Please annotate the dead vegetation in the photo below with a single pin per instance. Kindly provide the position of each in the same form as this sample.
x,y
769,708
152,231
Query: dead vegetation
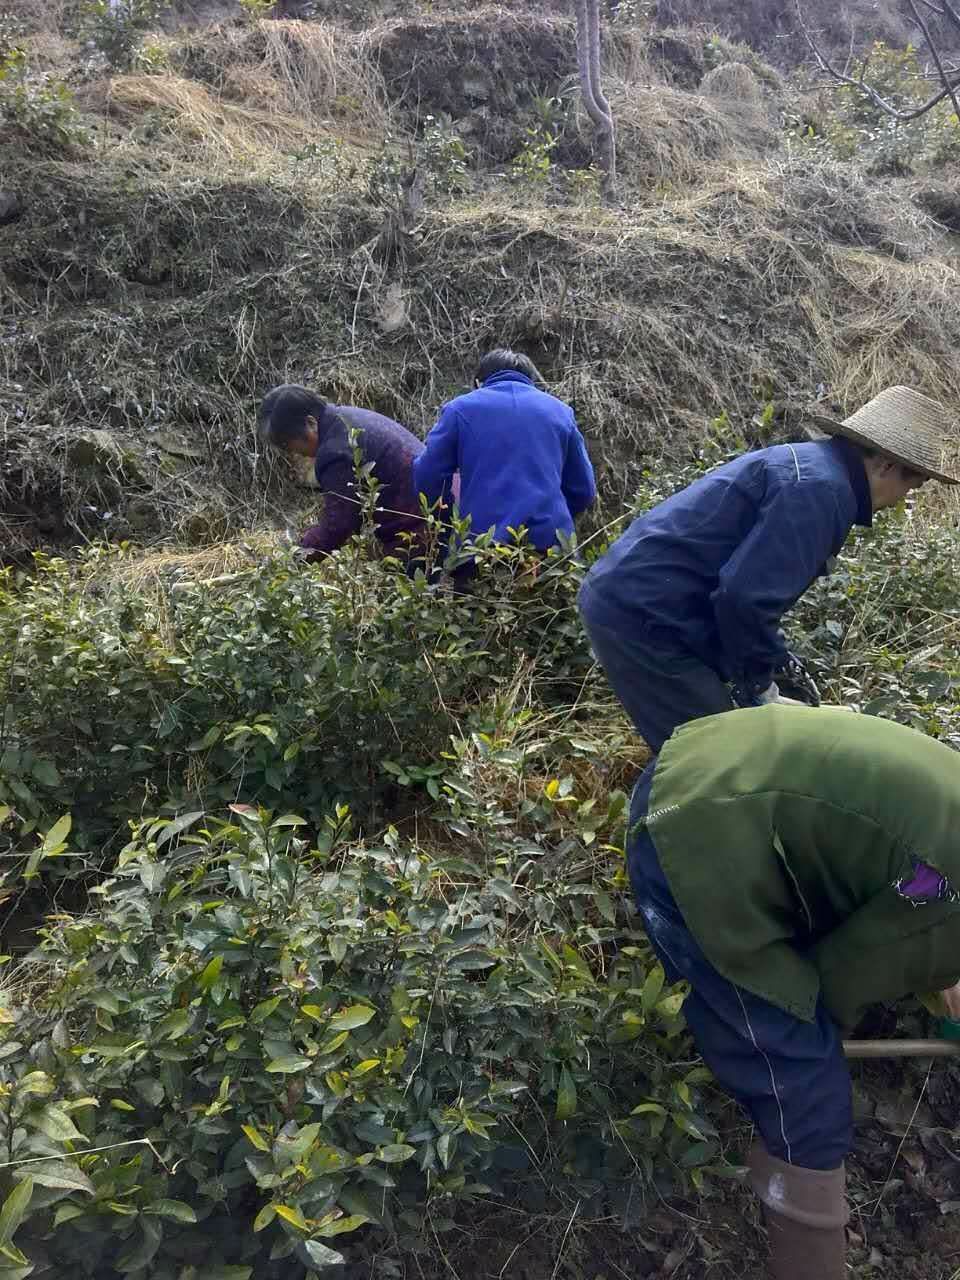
x,y
227,236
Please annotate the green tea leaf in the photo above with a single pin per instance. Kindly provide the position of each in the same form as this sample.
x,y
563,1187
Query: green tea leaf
x,y
289,1064
262,1011
341,1226
264,1217
14,1209
357,1015
47,774
292,1215
652,987
54,1123
60,1175
395,1153
256,1137
566,1095
174,1025
210,974
176,1210
321,1256
175,827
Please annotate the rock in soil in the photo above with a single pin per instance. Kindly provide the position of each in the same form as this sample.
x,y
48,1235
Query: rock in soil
x,y
10,207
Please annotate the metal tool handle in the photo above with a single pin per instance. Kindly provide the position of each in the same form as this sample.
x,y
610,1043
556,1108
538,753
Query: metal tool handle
x,y
901,1049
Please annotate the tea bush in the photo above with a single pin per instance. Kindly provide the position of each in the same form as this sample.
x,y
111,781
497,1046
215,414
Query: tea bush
x,y
286,684
252,1048
856,126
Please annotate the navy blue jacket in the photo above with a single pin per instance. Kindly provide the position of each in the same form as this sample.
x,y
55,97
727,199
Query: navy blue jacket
x,y
521,458
712,570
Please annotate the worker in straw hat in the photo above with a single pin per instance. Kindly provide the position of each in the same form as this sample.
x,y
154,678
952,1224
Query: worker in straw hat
x,y
683,611
794,866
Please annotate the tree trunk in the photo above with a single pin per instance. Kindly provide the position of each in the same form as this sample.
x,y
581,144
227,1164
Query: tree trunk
x,y
598,108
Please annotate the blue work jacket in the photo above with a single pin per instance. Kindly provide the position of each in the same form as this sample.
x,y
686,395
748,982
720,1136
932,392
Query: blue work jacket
x,y
712,570
521,458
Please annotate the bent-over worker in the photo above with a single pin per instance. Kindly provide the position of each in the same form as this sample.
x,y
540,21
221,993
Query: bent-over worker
x,y
688,601
298,421
520,454
795,866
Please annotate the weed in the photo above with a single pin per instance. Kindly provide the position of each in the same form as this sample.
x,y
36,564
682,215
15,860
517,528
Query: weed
x,y
41,109
116,27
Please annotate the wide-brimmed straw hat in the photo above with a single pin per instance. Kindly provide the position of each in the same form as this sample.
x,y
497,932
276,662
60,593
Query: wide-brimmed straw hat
x,y
903,425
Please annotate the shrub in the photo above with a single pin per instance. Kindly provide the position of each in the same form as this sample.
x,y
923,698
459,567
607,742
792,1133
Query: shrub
x,y
284,684
857,126
252,1047
116,27
40,109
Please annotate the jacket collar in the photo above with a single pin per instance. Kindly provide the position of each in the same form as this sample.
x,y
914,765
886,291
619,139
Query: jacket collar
x,y
506,375
850,456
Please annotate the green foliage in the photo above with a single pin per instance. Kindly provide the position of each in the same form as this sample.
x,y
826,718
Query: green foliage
x,y
290,1024
255,1043
118,701
257,9
532,165
41,109
116,27
584,184
882,628
439,154
441,151
856,126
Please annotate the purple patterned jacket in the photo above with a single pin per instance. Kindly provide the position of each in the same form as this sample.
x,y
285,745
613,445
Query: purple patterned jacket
x,y
392,449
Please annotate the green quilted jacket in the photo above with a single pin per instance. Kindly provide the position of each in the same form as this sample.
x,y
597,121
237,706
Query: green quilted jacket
x,y
783,832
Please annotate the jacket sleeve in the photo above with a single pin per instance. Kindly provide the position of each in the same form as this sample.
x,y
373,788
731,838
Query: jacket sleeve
x,y
796,532
886,950
433,470
341,509
577,481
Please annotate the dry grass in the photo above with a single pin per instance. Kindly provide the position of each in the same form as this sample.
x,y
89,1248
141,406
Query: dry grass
x,y
732,82
209,266
322,71
152,573
195,118
312,70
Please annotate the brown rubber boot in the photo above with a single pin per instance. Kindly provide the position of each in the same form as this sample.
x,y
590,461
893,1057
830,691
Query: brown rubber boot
x,y
806,1213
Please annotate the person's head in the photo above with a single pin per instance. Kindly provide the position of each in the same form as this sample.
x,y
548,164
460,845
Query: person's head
x,y
889,481
904,439
290,418
503,360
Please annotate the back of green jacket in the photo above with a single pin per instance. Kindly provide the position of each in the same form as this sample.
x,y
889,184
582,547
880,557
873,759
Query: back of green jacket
x,y
782,832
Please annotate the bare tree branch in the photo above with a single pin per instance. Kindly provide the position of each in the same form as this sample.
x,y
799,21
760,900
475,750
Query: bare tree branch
x,y
935,53
950,83
944,10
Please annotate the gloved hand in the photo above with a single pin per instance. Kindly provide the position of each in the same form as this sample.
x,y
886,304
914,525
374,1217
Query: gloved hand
x,y
795,682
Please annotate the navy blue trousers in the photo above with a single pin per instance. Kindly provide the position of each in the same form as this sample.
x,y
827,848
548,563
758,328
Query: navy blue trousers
x,y
790,1075
659,688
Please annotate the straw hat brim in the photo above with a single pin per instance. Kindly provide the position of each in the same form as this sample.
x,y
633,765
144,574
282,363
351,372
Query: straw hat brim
x,y
823,426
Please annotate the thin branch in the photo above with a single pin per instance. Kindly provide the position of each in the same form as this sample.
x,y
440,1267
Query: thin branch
x,y
936,58
904,117
944,10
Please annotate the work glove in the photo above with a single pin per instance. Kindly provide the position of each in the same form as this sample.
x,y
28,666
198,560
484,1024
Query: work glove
x,y
795,682
747,697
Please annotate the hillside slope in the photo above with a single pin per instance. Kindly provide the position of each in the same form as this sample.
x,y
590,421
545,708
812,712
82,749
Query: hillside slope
x,y
230,219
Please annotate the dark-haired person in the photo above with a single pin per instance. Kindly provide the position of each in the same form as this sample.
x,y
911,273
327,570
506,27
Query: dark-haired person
x,y
519,452
795,866
299,421
683,612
